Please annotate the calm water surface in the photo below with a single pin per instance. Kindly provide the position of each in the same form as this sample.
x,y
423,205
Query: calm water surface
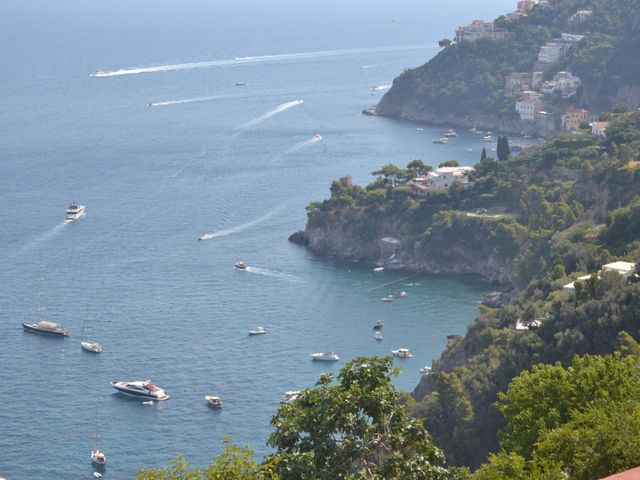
x,y
238,163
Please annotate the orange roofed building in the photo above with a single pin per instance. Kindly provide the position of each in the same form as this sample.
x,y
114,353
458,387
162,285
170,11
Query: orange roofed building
x,y
633,474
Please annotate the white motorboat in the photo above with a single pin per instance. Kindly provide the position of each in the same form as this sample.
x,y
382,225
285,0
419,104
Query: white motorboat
x,y
403,294
258,331
91,347
213,401
450,134
441,141
420,129
378,269
426,370
290,397
141,389
387,298
325,356
75,212
378,325
317,137
240,266
378,336
402,353
488,137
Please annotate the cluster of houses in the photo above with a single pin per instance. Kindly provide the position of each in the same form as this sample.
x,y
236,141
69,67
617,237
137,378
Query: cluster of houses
x,y
441,179
531,92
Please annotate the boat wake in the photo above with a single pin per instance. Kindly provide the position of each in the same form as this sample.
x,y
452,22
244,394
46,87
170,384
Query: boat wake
x,y
43,237
269,114
237,61
185,101
305,144
271,273
230,231
379,88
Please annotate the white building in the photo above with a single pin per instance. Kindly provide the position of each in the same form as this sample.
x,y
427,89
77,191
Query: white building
x,y
580,16
563,83
477,30
442,178
571,37
553,51
625,269
530,104
517,82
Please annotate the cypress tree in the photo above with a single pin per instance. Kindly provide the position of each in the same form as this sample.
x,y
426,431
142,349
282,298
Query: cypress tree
x,y
483,155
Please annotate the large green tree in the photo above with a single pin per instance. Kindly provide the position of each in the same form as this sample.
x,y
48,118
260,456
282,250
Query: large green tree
x,y
355,428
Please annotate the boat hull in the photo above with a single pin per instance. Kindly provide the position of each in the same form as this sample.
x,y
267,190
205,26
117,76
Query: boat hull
x,y
55,333
141,395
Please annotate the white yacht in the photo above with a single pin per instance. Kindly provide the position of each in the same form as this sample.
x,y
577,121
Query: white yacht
x,y
378,336
378,269
387,298
141,389
403,294
258,331
74,212
213,401
317,137
488,137
450,134
402,352
325,356
91,347
290,396
44,326
441,141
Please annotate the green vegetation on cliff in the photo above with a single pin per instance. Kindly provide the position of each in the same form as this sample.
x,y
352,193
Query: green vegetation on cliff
x,y
468,78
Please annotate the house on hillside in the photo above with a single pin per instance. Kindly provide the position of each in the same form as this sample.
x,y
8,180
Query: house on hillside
x,y
580,16
551,52
530,105
478,29
626,269
599,129
574,117
517,82
442,178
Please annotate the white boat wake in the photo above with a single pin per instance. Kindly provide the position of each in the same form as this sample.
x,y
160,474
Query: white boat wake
x,y
269,114
184,101
230,231
271,273
256,59
305,144
41,238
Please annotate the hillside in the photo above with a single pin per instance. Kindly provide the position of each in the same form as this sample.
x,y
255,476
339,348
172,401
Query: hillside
x,y
464,84
533,222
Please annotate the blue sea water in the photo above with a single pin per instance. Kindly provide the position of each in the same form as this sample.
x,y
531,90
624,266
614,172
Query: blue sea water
x,y
238,163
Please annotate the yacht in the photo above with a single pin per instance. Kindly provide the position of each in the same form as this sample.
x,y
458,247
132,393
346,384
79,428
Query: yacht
x,y
388,298
290,397
426,370
98,458
378,269
141,389
403,294
258,331
441,141
402,352
74,212
378,336
99,73
213,401
378,325
240,266
474,130
450,134
419,129
91,347
44,326
317,137
325,356
488,137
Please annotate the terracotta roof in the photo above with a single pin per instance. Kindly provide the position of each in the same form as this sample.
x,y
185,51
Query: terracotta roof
x,y
633,474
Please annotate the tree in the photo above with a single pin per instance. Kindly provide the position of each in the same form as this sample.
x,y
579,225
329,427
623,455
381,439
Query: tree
x,y
356,428
234,463
444,43
417,167
449,163
483,155
390,173
503,150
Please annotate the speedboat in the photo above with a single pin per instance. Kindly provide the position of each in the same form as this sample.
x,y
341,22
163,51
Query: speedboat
x,y
403,294
388,298
97,474
240,266
213,401
378,336
450,134
488,137
441,141
419,129
43,326
426,370
473,129
325,356
402,352
258,331
317,137
98,458
378,325
141,389
378,269
91,347
290,397
99,73
75,212
241,84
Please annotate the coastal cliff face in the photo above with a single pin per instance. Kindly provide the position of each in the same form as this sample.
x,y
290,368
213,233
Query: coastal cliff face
x,y
469,254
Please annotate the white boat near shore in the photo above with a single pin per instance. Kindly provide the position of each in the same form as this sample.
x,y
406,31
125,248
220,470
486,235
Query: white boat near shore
x,y
325,356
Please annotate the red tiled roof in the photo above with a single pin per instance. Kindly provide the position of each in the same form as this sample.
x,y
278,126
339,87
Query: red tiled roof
x,y
633,474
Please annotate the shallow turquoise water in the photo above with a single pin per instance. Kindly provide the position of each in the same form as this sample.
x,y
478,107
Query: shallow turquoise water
x,y
165,306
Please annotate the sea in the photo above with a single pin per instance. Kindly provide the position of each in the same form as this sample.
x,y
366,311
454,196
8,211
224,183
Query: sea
x,y
219,120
